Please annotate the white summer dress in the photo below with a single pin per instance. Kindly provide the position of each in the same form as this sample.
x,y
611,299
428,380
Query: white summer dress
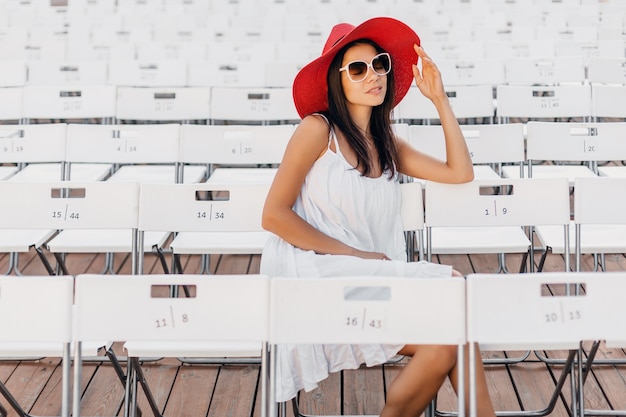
x,y
362,212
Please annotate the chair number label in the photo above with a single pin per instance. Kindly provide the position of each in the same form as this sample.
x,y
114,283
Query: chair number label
x,y
66,214
12,148
72,105
495,210
365,318
590,146
549,103
211,214
126,146
567,311
241,149
172,319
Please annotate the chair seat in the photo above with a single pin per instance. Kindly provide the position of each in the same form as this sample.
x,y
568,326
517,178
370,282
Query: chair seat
x,y
485,172
242,176
612,171
597,238
103,240
156,173
193,349
571,172
21,240
43,349
52,172
7,172
219,242
463,240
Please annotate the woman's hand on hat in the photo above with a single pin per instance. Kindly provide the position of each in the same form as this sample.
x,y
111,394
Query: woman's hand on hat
x,y
428,80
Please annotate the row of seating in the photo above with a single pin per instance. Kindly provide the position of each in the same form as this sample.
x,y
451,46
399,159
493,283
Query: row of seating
x,y
263,105
219,315
260,71
277,20
217,218
193,153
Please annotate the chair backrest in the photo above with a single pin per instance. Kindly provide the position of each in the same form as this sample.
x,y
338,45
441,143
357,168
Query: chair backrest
x,y
139,308
33,143
518,311
11,103
516,202
68,102
600,200
13,73
536,102
69,205
608,101
163,103
546,71
36,309
136,143
67,72
572,141
467,101
201,207
225,74
256,105
412,209
366,309
478,71
234,144
487,143
607,70
140,73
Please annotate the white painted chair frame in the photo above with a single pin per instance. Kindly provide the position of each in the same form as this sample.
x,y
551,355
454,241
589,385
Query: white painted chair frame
x,y
365,309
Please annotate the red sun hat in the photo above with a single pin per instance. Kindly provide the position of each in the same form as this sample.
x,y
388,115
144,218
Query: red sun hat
x,y
310,90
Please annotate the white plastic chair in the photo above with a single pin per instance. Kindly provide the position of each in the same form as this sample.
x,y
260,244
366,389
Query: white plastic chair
x,y
365,309
605,291
575,149
541,102
606,70
209,218
489,216
11,104
545,71
141,152
163,104
36,322
599,216
84,102
39,152
13,73
477,71
63,72
490,145
515,312
467,101
207,73
220,316
608,101
141,73
236,150
260,105
97,212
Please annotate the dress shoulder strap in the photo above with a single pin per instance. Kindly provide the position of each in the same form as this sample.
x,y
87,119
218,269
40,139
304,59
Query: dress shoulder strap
x,y
331,135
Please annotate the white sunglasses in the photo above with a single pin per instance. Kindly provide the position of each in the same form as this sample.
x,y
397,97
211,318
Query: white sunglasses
x,y
357,70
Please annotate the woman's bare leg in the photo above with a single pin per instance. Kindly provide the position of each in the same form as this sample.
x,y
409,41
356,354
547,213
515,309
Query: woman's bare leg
x,y
418,383
484,407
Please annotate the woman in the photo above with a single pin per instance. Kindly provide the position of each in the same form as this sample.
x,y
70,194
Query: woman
x,y
334,204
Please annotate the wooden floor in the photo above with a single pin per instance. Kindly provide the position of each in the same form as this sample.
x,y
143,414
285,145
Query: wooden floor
x,y
210,390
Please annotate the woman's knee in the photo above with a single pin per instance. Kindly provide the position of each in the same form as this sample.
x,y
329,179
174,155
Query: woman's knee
x,y
441,358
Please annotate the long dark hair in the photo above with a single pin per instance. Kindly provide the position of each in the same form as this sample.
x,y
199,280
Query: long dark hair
x,y
380,120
